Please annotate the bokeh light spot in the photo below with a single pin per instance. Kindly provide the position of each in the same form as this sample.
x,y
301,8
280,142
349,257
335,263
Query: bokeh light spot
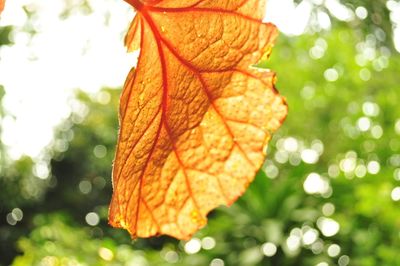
x,y
361,12
193,246
373,167
293,242
328,209
171,256
309,156
100,151
317,247
396,194
308,92
310,236
396,174
365,74
92,218
217,262
85,187
103,97
333,171
290,144
328,227
42,170
10,219
208,243
17,214
371,109
364,124
106,254
271,171
269,249
348,165
315,184
333,250
281,156
317,146
344,260
397,127
377,132
331,74
360,171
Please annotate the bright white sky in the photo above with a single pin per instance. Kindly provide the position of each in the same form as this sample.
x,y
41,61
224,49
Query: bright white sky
x,y
40,74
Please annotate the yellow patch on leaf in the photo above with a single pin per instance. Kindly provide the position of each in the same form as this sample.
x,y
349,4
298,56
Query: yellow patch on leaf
x,y
195,116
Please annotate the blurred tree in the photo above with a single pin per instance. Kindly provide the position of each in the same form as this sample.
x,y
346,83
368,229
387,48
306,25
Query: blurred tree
x,y
19,187
364,17
328,193
324,195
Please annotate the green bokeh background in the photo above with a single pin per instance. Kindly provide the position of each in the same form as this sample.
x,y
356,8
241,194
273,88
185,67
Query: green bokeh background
x,y
328,194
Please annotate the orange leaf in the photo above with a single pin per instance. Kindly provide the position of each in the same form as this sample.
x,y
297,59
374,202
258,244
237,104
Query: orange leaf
x,y
2,3
195,117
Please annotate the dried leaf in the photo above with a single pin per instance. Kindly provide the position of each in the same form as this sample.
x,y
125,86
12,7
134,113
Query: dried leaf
x,y
195,116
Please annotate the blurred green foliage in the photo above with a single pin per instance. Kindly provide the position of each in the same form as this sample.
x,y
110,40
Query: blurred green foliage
x,y
375,16
328,194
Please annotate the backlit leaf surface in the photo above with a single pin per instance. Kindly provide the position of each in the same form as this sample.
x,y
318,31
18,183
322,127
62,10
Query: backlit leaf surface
x,y
2,3
195,116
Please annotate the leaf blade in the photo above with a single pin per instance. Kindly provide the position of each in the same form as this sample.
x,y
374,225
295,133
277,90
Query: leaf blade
x,y
189,139
2,4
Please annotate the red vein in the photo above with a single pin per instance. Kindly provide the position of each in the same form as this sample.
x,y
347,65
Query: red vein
x,y
198,3
218,181
116,178
201,10
138,5
189,168
165,102
234,120
207,92
129,95
141,177
137,142
151,213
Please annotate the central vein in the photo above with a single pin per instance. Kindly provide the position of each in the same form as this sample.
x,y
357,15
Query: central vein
x,y
136,4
